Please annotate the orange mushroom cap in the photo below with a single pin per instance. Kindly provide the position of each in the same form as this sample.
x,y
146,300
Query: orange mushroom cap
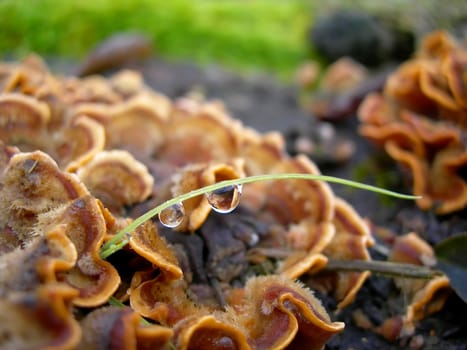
x,y
146,242
84,225
421,120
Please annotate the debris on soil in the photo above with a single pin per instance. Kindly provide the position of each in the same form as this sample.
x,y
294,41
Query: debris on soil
x,y
116,51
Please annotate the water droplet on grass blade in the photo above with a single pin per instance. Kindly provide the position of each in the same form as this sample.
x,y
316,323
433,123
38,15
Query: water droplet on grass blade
x,y
225,199
172,216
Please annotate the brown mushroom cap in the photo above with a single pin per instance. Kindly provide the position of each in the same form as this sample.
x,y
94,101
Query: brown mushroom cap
x,y
299,263
81,141
84,225
196,176
121,328
39,320
203,135
280,313
160,299
33,73
274,313
22,119
425,296
9,77
32,184
209,332
135,124
350,241
116,178
294,200
146,242
127,83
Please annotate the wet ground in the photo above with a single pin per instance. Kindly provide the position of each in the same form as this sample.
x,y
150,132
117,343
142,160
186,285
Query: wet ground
x,y
266,104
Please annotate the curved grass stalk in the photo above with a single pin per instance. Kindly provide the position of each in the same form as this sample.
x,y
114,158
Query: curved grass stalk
x,y
118,241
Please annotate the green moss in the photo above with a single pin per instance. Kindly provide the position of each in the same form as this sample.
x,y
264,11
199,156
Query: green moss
x,y
258,34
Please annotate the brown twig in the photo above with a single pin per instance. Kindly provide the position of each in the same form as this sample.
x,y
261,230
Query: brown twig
x,y
386,268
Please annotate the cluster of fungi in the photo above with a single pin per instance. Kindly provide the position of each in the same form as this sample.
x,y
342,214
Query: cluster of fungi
x,y
421,120
81,158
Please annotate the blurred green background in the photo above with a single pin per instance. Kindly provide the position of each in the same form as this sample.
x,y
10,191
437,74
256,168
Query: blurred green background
x,y
266,35
239,34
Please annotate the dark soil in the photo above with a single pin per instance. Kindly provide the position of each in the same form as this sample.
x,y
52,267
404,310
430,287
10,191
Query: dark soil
x,y
266,104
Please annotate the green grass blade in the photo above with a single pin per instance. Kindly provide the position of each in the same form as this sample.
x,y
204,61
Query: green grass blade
x,y
118,241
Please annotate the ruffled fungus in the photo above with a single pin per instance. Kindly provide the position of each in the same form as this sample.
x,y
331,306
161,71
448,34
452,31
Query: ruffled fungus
x,y
162,300
42,200
112,328
351,242
146,242
201,133
135,125
295,200
116,178
196,176
420,120
28,76
39,320
279,313
94,278
426,297
21,118
209,332
32,184
274,313
88,138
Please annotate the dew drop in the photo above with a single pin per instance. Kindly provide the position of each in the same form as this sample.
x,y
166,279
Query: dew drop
x,y
225,199
172,216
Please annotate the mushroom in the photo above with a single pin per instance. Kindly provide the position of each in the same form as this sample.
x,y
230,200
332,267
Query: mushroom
x,y
196,176
84,225
350,241
22,119
127,83
112,328
279,313
117,179
160,299
80,142
9,77
203,134
32,184
145,241
209,332
41,319
33,73
425,296
294,200
135,124
420,121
